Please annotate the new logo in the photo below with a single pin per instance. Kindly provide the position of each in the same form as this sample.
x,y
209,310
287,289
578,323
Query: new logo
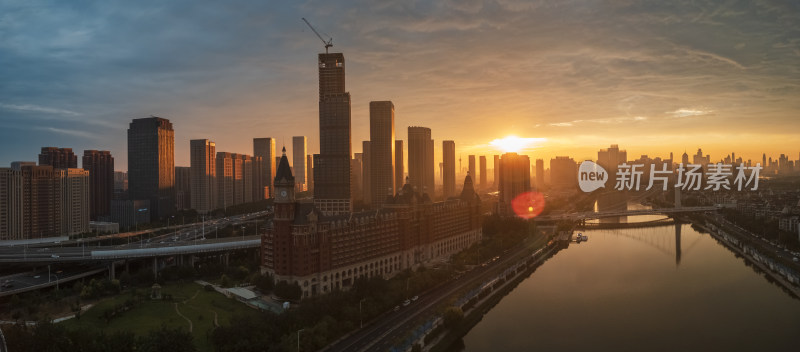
x,y
591,176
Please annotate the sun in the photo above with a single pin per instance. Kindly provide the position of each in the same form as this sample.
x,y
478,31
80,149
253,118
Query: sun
x,y
514,144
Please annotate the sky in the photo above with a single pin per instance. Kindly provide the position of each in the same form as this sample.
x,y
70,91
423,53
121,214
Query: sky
x,y
574,76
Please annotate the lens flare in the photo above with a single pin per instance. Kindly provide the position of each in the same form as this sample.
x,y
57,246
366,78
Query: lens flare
x,y
528,205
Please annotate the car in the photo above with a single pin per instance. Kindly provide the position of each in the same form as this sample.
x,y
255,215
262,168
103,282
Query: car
x,y
396,308
406,302
795,259
414,298
54,256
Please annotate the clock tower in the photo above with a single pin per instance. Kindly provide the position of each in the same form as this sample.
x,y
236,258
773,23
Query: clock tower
x,y
284,190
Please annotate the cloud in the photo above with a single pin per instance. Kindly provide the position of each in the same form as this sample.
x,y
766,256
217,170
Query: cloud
x,y
36,108
688,112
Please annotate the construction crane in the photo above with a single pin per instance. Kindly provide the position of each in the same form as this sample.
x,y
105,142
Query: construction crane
x,y
328,43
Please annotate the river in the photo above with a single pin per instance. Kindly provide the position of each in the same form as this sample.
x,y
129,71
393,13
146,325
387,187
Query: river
x,y
630,290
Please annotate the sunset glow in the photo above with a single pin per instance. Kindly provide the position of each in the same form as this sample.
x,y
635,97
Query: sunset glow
x,y
514,144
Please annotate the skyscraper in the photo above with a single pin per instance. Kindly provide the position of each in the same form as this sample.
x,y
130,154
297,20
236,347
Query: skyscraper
x,y
11,219
100,165
472,171
496,166
539,175
265,148
420,159
299,149
448,169
366,178
332,172
515,179
225,174
382,163
482,168
310,173
564,174
183,186
73,208
203,172
58,158
399,169
358,183
151,164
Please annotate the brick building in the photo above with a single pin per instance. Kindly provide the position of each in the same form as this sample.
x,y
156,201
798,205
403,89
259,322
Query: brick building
x,y
324,253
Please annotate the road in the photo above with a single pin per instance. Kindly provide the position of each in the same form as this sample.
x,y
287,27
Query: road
x,y
78,250
21,282
383,333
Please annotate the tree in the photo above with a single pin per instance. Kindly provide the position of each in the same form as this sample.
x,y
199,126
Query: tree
x,y
452,316
288,291
167,340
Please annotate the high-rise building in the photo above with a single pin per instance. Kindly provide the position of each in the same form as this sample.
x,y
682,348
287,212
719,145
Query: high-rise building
x,y
332,174
183,188
610,159
299,151
58,158
11,219
40,202
539,174
100,165
258,189
203,175
382,162
310,173
74,200
448,169
225,174
355,165
563,174
17,165
496,166
366,173
151,164
420,160
399,169
515,179
265,148
482,168
472,172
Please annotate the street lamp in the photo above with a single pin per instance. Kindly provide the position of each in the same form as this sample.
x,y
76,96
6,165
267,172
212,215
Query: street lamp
x,y
298,339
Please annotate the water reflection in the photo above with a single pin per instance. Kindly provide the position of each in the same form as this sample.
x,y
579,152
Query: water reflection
x,y
624,290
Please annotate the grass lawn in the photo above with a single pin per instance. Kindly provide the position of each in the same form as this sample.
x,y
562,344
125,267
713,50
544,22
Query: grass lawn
x,y
194,303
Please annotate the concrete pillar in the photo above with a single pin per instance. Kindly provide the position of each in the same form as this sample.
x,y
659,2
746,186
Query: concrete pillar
x,y
155,267
127,267
111,273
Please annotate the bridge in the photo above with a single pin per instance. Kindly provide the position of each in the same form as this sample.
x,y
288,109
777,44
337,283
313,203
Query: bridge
x,y
605,214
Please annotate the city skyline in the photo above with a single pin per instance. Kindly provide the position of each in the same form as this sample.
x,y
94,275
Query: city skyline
x,y
654,97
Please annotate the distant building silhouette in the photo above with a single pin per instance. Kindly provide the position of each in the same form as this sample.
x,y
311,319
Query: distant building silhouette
x,y
563,174
203,175
265,148
482,168
183,186
151,164
539,174
366,172
100,165
58,158
382,153
420,160
515,179
299,151
399,165
448,169
472,167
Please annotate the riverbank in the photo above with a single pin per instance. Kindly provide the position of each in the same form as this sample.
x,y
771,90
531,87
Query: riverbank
x,y
785,277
